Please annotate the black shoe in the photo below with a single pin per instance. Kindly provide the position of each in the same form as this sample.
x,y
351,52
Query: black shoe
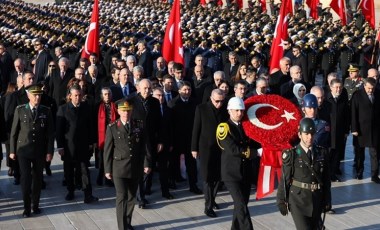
x,y
43,185
99,181
195,190
215,206
69,196
37,211
375,179
90,199
78,187
143,203
129,227
359,176
338,172
26,213
210,213
48,171
335,179
16,181
109,183
168,196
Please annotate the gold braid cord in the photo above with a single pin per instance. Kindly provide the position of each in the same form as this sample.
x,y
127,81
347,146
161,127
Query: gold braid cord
x,y
221,133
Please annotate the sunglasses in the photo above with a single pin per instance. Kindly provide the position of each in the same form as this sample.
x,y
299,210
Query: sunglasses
x,y
53,66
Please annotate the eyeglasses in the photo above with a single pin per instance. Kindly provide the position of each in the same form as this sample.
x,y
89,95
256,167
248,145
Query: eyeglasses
x,y
217,101
52,66
37,44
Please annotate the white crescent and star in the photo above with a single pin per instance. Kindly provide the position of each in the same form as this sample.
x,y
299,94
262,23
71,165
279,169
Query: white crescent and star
x,y
92,27
255,120
365,4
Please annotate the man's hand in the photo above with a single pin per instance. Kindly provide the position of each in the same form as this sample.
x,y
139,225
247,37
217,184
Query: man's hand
x,y
147,170
49,157
195,154
61,152
283,208
160,147
108,176
12,156
355,134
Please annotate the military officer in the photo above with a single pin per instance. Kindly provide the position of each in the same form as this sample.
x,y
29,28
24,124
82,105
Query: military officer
x,y
32,142
347,55
126,158
305,187
236,162
354,81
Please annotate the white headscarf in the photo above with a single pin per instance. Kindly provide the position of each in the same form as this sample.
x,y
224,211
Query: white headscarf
x,y
296,88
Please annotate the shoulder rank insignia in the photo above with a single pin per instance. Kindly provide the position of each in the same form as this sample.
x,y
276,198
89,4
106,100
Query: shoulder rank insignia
x,y
222,131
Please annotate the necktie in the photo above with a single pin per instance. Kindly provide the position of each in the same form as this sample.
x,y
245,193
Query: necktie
x,y
127,127
168,96
34,113
162,110
370,98
62,75
335,99
125,91
309,155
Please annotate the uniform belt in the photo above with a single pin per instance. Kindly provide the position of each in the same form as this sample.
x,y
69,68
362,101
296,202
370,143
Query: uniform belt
x,y
313,186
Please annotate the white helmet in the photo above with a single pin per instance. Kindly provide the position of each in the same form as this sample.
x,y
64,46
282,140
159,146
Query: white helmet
x,y
236,103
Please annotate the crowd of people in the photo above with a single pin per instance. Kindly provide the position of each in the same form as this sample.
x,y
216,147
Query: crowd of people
x,y
165,110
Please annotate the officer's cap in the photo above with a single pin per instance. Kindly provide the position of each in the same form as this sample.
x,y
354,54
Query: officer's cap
x,y
353,68
236,103
35,89
124,105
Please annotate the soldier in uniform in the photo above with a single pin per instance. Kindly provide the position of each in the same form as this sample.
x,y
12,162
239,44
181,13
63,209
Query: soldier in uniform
x,y
354,81
347,56
329,58
126,158
305,187
236,162
32,141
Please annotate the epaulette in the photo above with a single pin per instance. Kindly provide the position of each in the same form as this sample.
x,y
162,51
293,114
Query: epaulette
x,y
112,123
221,132
20,106
287,155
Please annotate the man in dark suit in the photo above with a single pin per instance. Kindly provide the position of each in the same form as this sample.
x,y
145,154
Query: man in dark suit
x,y
161,68
32,141
164,156
183,107
59,80
144,58
256,63
147,109
94,82
41,61
339,123
286,89
329,59
278,78
300,60
19,70
6,66
126,158
75,137
123,88
230,69
236,162
168,84
365,113
207,117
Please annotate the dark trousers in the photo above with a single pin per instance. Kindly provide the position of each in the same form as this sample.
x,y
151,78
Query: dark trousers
x,y
191,168
311,73
69,168
360,156
14,164
141,188
125,197
240,195
31,180
305,222
210,189
163,170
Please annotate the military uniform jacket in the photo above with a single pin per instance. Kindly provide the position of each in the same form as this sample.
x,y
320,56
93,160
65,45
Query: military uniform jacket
x,y
32,138
125,151
297,167
235,166
352,86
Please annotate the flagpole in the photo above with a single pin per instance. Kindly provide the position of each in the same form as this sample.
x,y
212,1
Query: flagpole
x,y
374,46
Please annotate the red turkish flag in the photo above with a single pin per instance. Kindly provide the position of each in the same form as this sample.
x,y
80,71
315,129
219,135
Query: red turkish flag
x,y
368,10
92,40
378,35
263,5
280,35
339,6
272,121
172,48
312,4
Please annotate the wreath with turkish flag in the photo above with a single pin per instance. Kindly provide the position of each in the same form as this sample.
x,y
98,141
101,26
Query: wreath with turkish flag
x,y
272,121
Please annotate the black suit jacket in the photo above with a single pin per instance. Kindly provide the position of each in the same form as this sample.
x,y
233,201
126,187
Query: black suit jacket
x,y
58,86
206,120
276,80
146,61
117,91
75,131
41,66
183,118
230,72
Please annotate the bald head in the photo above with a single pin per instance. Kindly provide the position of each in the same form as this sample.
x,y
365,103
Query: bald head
x,y
318,92
373,73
